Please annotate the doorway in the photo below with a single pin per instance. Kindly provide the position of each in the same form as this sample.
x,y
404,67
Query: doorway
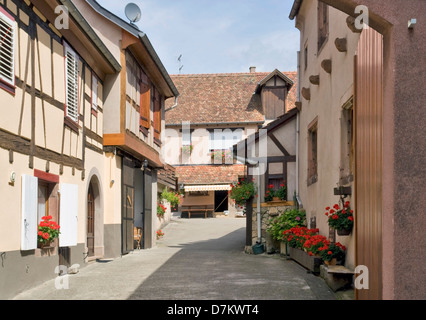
x,y
221,201
91,221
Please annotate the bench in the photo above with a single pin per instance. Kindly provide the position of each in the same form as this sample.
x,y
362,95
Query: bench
x,y
337,277
197,209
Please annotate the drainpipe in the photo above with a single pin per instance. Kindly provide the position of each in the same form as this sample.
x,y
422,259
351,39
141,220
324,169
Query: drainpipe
x,y
298,201
259,216
173,106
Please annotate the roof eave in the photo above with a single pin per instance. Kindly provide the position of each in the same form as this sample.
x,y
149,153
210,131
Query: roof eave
x,y
134,30
295,9
73,11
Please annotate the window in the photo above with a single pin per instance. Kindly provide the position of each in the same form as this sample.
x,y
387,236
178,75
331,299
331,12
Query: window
x,y
145,107
71,84
7,51
322,24
313,153
94,93
305,56
221,144
157,115
347,143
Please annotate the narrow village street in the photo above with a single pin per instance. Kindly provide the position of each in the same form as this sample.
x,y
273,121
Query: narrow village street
x,y
197,259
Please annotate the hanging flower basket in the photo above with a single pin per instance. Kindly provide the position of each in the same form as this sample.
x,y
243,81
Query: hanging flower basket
x,y
341,219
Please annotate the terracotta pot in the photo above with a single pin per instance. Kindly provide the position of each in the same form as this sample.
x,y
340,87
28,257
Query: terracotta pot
x,y
276,199
44,245
332,262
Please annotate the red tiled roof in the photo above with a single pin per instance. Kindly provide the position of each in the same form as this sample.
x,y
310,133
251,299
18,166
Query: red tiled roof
x,y
221,98
209,174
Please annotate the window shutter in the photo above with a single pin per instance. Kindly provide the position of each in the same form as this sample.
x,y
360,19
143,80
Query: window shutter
x,y
29,213
7,49
157,115
68,215
145,106
94,93
71,84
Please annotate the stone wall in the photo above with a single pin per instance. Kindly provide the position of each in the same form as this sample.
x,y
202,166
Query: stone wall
x,y
268,210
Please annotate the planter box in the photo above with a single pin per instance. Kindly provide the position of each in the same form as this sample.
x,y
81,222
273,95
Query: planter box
x,y
311,263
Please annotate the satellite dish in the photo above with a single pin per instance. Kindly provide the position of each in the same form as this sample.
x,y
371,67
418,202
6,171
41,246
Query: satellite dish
x,y
133,12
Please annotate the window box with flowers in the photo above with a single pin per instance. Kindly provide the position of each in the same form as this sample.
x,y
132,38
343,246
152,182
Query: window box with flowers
x,y
341,219
47,232
310,249
273,194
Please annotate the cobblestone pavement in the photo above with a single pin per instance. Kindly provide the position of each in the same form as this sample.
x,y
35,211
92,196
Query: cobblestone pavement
x,y
197,259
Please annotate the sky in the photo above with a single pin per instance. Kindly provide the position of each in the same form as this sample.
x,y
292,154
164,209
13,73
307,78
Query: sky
x,y
218,36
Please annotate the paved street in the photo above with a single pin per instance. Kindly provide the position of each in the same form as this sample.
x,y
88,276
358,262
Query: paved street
x,y
198,259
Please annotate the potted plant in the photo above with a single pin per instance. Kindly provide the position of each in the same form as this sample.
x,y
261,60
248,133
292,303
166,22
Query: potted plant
x,y
160,234
161,209
242,192
47,231
340,219
333,253
314,244
290,218
281,193
270,193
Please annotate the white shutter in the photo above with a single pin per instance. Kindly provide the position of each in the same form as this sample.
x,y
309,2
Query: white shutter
x,y
71,83
7,49
94,93
68,215
29,213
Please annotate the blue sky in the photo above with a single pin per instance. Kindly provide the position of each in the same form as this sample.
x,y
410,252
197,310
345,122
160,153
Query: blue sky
x,y
218,36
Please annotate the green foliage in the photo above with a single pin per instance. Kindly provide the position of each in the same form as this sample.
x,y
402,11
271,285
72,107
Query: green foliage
x,y
288,219
242,192
173,198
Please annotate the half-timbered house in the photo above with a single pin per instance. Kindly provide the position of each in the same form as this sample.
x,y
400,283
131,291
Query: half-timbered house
x,y
213,113
133,130
54,70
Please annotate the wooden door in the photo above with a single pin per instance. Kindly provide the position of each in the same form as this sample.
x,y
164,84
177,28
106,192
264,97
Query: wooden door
x,y
91,222
369,160
127,220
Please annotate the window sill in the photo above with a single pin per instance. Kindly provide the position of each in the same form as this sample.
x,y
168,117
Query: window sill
x,y
71,124
312,180
7,87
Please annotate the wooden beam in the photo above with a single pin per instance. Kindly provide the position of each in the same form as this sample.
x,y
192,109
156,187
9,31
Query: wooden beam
x,y
278,144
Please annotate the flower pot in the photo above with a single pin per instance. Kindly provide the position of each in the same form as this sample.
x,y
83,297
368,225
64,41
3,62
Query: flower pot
x,y
343,232
276,199
332,262
47,244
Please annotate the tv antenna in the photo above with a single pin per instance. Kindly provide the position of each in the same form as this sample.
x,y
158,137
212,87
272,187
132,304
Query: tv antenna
x,y
180,64
133,13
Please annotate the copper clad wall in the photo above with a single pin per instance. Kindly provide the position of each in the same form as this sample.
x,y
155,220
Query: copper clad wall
x,y
369,159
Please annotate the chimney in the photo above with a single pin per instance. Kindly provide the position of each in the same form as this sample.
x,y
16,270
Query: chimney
x,y
252,69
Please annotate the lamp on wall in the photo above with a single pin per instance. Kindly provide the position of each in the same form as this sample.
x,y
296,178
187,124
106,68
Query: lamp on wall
x,y
145,164
412,23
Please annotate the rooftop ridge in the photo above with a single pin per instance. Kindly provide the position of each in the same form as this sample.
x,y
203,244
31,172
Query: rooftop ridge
x,y
228,74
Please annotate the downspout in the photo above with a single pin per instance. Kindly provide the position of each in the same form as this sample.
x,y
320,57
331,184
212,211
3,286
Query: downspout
x,y
173,106
298,200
